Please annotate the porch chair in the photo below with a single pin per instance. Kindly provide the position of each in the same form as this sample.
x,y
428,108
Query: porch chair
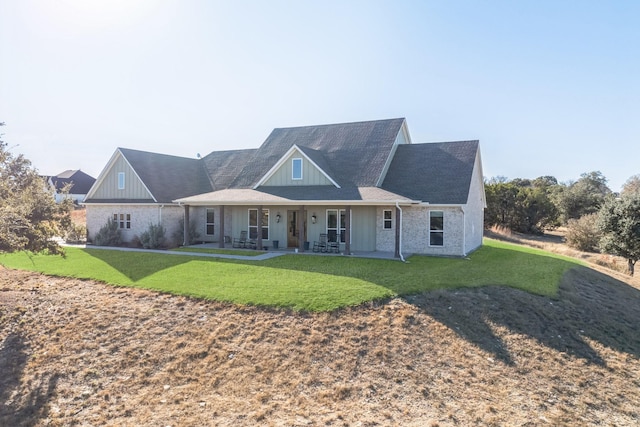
x,y
242,241
333,245
320,246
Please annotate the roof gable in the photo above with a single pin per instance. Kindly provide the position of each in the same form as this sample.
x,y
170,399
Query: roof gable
x,y
437,173
312,157
357,152
164,177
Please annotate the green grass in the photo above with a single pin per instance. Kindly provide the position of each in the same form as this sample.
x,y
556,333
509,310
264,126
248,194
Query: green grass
x,y
220,251
311,283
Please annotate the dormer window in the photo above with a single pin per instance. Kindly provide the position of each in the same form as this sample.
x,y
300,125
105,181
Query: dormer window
x,y
296,168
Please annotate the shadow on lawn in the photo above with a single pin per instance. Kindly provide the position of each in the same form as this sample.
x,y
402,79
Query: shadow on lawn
x,y
136,265
589,305
21,407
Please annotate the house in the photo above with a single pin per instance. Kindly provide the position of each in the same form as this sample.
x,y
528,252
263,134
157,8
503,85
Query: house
x,y
365,185
79,185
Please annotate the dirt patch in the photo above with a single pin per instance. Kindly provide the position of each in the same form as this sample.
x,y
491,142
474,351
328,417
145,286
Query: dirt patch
x,y
83,353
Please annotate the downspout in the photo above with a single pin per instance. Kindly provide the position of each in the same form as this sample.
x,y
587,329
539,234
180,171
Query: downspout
x,y
160,214
400,252
464,232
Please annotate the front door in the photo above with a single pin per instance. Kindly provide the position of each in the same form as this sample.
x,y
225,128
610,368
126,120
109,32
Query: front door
x,y
292,228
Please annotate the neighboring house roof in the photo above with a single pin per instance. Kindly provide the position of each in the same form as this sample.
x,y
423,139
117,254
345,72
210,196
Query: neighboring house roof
x,y
357,152
80,181
437,173
168,177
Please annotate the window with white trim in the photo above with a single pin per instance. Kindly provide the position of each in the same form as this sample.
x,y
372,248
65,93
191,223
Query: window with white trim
x,y
123,220
335,228
253,224
387,217
296,169
436,228
120,180
210,222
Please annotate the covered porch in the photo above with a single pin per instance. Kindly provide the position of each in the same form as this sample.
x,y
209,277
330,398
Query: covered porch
x,y
367,220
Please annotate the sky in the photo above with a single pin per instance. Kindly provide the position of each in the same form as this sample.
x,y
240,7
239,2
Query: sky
x,y
548,87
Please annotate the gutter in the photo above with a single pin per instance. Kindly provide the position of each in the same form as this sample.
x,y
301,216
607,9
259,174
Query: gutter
x,y
400,251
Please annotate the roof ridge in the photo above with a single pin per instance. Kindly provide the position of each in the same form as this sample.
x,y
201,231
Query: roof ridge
x,y
341,124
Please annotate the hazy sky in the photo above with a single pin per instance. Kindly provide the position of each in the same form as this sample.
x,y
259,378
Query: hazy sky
x,y
548,87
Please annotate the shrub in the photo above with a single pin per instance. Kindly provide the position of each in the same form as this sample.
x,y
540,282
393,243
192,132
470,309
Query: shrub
x,y
153,237
583,233
76,233
108,235
179,234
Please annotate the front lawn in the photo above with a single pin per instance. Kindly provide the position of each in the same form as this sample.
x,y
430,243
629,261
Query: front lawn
x,y
299,282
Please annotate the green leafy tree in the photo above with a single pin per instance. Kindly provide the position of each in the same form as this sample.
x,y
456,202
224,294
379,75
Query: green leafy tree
x,y
521,204
619,221
535,211
29,216
583,197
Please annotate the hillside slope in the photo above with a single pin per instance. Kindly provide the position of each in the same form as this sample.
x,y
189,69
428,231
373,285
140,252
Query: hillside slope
x,y
83,353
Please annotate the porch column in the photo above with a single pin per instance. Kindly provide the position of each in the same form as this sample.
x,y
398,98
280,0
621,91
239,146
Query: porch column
x,y
301,229
397,251
347,230
221,243
185,240
259,243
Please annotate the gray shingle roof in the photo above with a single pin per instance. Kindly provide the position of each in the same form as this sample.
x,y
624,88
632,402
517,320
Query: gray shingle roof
x,y
168,177
438,173
224,166
81,182
357,152
353,154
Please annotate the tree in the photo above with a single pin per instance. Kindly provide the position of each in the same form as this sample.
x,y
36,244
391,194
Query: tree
x,y
584,196
619,221
520,205
29,216
631,186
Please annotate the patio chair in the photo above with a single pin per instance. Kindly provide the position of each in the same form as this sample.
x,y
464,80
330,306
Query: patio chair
x,y
321,245
333,246
242,241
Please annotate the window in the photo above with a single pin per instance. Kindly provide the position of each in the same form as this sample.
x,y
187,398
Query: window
x,y
253,224
120,180
209,223
436,228
334,227
123,220
296,169
386,219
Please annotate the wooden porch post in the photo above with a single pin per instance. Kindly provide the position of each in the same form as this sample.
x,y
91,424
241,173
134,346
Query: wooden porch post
x,y
301,229
347,230
221,243
259,243
185,240
397,251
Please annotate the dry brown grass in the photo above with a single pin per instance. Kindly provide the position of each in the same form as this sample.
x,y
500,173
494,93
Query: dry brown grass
x,y
553,241
79,216
82,353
